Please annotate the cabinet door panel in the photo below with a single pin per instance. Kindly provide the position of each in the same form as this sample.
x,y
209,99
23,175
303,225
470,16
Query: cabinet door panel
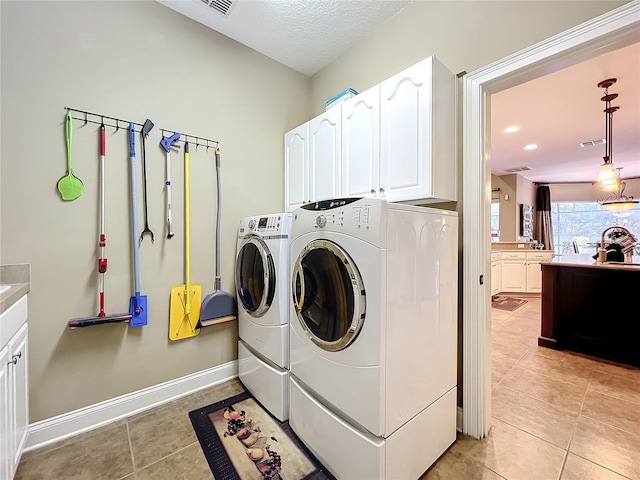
x,y
534,277
19,385
514,276
6,455
405,133
324,155
361,144
296,159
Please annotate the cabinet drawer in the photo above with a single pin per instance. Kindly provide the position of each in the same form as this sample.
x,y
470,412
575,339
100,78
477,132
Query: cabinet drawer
x,y
540,256
12,319
509,255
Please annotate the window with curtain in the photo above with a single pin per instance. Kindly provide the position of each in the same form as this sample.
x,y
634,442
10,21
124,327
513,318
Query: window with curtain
x,y
583,223
495,220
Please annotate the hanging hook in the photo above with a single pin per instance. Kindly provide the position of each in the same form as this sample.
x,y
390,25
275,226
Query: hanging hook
x,y
85,119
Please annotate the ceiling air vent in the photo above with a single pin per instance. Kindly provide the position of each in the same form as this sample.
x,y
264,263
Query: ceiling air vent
x,y
518,169
220,6
591,143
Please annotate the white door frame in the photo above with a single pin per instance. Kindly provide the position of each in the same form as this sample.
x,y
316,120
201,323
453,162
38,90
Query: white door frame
x,y
608,32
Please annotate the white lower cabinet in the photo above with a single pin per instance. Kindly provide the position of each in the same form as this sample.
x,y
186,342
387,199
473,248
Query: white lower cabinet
x,y
496,276
520,272
14,413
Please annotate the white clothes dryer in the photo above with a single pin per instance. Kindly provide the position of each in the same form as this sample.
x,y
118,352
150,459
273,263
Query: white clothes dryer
x,y
263,291
374,335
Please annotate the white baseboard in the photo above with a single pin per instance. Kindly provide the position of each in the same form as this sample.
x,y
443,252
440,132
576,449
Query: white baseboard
x,y
459,420
84,419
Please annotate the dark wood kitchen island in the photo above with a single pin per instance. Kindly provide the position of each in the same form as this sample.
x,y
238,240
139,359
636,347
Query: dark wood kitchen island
x,y
591,308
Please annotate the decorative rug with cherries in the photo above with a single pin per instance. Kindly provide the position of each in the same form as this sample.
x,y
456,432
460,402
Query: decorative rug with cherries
x,y
242,441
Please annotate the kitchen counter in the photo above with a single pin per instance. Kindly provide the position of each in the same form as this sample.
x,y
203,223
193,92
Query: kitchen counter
x,y
18,280
586,260
591,308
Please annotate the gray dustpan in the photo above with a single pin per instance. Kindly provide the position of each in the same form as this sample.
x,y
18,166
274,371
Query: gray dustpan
x,y
218,306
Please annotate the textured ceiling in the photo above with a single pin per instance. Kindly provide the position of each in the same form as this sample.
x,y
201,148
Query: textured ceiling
x,y
305,35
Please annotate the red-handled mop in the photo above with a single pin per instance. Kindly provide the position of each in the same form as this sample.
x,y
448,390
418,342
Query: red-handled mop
x,y
102,261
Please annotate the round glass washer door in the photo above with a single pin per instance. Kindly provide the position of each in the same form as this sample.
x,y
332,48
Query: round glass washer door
x,y
328,294
255,277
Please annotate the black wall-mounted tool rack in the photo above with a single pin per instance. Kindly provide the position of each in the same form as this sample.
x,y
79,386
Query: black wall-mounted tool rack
x,y
99,119
191,139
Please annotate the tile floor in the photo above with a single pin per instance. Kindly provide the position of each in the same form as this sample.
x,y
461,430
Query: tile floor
x,y
556,415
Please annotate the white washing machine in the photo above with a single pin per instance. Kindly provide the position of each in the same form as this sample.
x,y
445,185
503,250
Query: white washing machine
x,y
263,289
374,335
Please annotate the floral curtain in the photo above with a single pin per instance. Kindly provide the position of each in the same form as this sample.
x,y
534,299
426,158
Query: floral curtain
x,y
543,229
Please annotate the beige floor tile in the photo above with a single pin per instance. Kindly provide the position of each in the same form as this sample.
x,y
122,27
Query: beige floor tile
x,y
556,392
612,411
498,316
188,463
454,465
219,392
160,433
622,383
559,368
513,339
103,456
545,421
607,446
507,353
512,453
499,370
76,438
576,468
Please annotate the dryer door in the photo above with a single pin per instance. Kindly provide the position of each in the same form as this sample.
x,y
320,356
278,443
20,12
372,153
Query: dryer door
x,y
328,294
255,276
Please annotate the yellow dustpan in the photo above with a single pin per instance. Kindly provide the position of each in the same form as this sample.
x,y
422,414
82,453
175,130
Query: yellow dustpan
x,y
184,309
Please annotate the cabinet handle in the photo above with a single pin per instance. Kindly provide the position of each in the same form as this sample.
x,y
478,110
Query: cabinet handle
x,y
373,191
14,359
381,191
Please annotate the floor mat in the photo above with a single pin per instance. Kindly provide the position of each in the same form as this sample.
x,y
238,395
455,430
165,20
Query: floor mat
x,y
507,303
243,441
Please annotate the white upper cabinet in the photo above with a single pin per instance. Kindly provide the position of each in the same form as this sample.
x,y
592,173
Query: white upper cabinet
x,y
296,164
361,144
396,140
324,156
417,134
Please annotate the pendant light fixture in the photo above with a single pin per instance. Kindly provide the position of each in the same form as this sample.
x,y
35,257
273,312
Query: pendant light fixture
x,y
607,178
618,202
610,181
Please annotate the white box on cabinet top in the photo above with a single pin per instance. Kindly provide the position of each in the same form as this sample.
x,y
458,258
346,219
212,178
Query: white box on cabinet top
x,y
396,140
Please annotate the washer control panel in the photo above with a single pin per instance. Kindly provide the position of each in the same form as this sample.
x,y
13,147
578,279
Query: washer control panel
x,y
265,225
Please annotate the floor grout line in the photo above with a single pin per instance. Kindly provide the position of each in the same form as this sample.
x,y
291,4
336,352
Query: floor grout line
x,y
133,460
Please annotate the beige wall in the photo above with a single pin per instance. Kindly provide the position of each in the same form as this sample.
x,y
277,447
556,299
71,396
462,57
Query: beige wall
x,y
136,60
132,60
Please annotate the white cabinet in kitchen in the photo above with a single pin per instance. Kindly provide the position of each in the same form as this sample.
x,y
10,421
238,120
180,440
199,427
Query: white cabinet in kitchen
x,y
496,273
361,144
14,416
417,134
534,271
514,272
312,160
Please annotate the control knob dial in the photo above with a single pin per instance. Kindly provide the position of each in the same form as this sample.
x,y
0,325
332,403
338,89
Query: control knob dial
x,y
321,221
252,224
